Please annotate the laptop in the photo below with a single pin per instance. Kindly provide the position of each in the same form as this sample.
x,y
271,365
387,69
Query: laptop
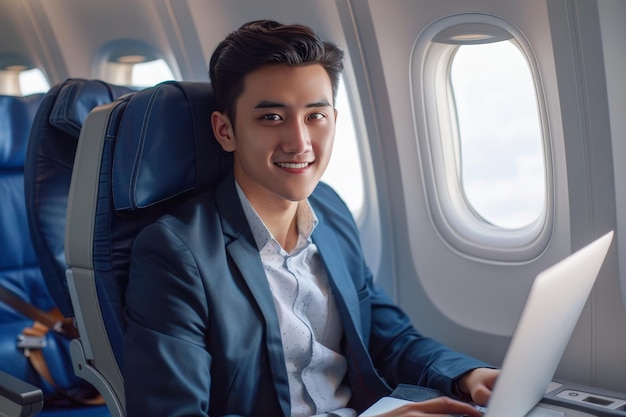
x,y
554,304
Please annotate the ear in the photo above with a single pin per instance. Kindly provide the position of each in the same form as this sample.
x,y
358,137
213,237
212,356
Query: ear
x,y
223,131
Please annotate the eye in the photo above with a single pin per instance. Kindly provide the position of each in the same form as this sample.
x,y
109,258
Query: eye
x,y
271,117
317,116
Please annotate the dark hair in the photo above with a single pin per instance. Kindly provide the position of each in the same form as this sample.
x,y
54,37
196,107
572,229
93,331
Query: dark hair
x,y
265,42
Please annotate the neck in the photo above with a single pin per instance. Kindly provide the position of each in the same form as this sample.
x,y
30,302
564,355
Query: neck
x,y
278,215
281,222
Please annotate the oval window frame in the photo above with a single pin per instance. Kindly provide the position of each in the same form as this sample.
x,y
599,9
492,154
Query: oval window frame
x,y
115,61
437,137
12,70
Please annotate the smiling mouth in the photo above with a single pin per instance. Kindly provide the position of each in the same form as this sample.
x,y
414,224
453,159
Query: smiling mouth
x,y
293,165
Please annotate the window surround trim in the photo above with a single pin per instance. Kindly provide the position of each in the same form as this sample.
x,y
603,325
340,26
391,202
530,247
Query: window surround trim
x,y
452,217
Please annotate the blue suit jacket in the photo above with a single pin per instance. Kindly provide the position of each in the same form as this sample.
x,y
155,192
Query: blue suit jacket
x,y
203,336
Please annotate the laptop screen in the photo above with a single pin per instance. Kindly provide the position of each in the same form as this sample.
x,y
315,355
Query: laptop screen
x,y
554,304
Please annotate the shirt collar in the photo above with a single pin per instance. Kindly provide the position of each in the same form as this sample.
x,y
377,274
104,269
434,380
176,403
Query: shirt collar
x,y
306,221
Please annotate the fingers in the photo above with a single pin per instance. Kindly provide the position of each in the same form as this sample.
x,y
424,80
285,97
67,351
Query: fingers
x,y
479,383
481,395
437,407
447,406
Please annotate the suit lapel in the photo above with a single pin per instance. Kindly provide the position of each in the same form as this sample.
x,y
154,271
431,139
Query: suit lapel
x,y
367,386
338,274
242,248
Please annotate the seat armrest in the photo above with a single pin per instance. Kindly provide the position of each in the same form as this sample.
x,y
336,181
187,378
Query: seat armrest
x,y
18,398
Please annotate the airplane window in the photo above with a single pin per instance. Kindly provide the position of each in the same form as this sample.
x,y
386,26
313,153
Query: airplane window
x,y
145,74
132,71
344,172
32,81
131,63
483,139
501,163
20,80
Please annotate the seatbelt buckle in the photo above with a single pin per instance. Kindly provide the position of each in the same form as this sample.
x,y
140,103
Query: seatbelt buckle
x,y
31,342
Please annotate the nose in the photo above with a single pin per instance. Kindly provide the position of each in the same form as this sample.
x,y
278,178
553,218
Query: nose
x,y
297,138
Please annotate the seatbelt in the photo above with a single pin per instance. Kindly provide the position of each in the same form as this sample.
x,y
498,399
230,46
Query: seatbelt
x,y
32,339
58,324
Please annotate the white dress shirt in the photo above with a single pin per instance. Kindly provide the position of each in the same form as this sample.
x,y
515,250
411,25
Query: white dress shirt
x,y
310,324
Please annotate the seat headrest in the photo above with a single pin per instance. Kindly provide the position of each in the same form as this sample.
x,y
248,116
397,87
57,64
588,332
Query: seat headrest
x,y
76,98
48,170
16,118
165,146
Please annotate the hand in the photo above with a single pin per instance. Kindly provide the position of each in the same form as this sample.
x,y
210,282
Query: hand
x,y
479,383
437,407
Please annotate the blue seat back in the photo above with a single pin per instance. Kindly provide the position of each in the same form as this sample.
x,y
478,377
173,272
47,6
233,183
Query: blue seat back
x,y
19,271
165,152
137,158
18,264
48,170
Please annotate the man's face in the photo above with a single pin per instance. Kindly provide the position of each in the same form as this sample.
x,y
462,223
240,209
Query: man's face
x,y
284,133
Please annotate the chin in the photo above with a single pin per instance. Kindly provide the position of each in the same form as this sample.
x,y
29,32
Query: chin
x,y
299,195
299,191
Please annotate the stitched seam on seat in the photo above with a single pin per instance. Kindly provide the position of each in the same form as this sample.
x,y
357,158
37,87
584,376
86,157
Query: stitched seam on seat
x,y
140,149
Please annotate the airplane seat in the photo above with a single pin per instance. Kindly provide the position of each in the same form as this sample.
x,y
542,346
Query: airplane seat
x,y
48,170
137,157
19,271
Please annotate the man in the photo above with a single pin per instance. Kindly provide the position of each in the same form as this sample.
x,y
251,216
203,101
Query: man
x,y
254,299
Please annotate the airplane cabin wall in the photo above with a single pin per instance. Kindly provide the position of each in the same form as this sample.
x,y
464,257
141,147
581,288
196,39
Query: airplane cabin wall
x,y
612,15
583,89
473,304
469,303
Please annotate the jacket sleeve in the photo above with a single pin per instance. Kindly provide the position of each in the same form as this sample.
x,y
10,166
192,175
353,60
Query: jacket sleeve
x,y
166,366
403,355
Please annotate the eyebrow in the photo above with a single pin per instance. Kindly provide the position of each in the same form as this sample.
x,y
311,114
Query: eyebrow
x,y
266,104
